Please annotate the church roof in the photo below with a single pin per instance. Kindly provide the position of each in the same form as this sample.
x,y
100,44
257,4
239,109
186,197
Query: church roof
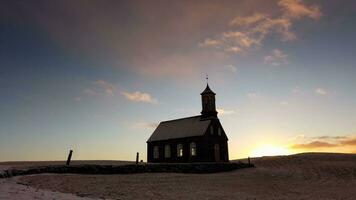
x,y
207,90
180,128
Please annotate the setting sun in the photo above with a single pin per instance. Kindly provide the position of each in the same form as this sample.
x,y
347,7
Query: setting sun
x,y
269,150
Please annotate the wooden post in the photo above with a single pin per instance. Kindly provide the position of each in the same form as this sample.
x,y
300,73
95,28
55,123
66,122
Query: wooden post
x,y
249,161
137,156
69,157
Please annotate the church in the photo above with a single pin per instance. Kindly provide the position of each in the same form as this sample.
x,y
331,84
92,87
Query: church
x,y
198,138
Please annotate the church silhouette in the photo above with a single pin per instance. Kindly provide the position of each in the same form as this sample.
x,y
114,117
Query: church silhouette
x,y
193,139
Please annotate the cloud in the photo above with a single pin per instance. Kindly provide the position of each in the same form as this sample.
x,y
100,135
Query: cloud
x,y
108,88
321,91
209,42
243,21
313,145
139,97
276,58
102,87
155,41
298,137
284,103
350,141
251,31
77,99
297,90
253,95
231,68
222,111
239,39
327,142
144,125
295,9
326,137
89,91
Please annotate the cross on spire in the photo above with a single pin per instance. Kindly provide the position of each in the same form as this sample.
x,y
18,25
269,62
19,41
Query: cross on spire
x,y
207,79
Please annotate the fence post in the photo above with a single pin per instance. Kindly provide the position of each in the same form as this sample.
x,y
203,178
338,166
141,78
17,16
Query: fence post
x,y
137,156
69,157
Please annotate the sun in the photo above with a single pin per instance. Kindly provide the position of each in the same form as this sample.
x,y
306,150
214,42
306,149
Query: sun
x,y
269,150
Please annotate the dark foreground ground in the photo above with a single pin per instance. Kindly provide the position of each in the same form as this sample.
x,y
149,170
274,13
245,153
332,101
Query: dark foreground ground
x,y
302,176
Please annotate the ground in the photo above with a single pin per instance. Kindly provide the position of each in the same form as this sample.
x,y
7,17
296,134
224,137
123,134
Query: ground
x,y
302,176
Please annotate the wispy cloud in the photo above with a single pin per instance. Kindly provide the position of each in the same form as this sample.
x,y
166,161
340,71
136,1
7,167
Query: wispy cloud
x,y
350,141
276,58
298,137
327,137
253,95
231,68
322,142
89,91
297,90
222,111
108,88
313,145
296,9
284,103
144,125
248,20
140,97
102,87
251,31
209,43
321,91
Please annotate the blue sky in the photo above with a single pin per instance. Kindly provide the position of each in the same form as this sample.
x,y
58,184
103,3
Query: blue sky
x,y
98,76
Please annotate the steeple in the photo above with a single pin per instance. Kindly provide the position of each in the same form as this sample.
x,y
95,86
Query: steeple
x,y
207,90
208,103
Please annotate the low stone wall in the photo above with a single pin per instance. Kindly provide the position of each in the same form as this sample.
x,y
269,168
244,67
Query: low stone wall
x,y
128,169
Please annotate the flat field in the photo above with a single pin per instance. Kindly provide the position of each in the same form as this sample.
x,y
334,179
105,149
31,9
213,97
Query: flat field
x,y
302,176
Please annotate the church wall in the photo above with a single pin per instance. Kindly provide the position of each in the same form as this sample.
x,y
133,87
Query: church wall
x,y
204,148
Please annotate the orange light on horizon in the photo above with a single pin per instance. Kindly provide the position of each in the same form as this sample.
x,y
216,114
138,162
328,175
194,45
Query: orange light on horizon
x,y
269,150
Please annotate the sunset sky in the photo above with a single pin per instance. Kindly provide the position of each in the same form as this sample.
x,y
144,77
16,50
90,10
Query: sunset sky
x,y
98,76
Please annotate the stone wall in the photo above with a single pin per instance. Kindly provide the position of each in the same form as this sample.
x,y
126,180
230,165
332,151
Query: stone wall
x,y
128,169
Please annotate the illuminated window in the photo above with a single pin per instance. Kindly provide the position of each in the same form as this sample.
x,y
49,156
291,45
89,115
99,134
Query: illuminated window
x,y
179,150
155,152
167,151
193,149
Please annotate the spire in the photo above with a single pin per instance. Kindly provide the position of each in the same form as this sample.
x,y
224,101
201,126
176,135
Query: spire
x,y
207,90
208,102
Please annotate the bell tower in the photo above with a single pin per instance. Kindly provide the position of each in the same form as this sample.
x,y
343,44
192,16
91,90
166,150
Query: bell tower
x,y
208,103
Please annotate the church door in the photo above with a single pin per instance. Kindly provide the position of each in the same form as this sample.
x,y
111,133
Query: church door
x,y
217,152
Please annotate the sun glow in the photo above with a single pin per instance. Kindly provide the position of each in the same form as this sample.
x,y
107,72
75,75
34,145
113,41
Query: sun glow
x,y
269,150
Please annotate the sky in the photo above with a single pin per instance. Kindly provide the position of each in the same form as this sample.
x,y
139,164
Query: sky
x,y
98,76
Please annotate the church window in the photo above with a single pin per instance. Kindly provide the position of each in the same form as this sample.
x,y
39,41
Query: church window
x,y
211,130
155,152
219,131
193,149
167,151
179,150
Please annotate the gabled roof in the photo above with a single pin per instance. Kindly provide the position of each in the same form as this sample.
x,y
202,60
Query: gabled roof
x,y
180,128
207,90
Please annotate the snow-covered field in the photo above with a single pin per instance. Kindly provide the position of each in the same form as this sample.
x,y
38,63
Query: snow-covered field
x,y
304,176
12,190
